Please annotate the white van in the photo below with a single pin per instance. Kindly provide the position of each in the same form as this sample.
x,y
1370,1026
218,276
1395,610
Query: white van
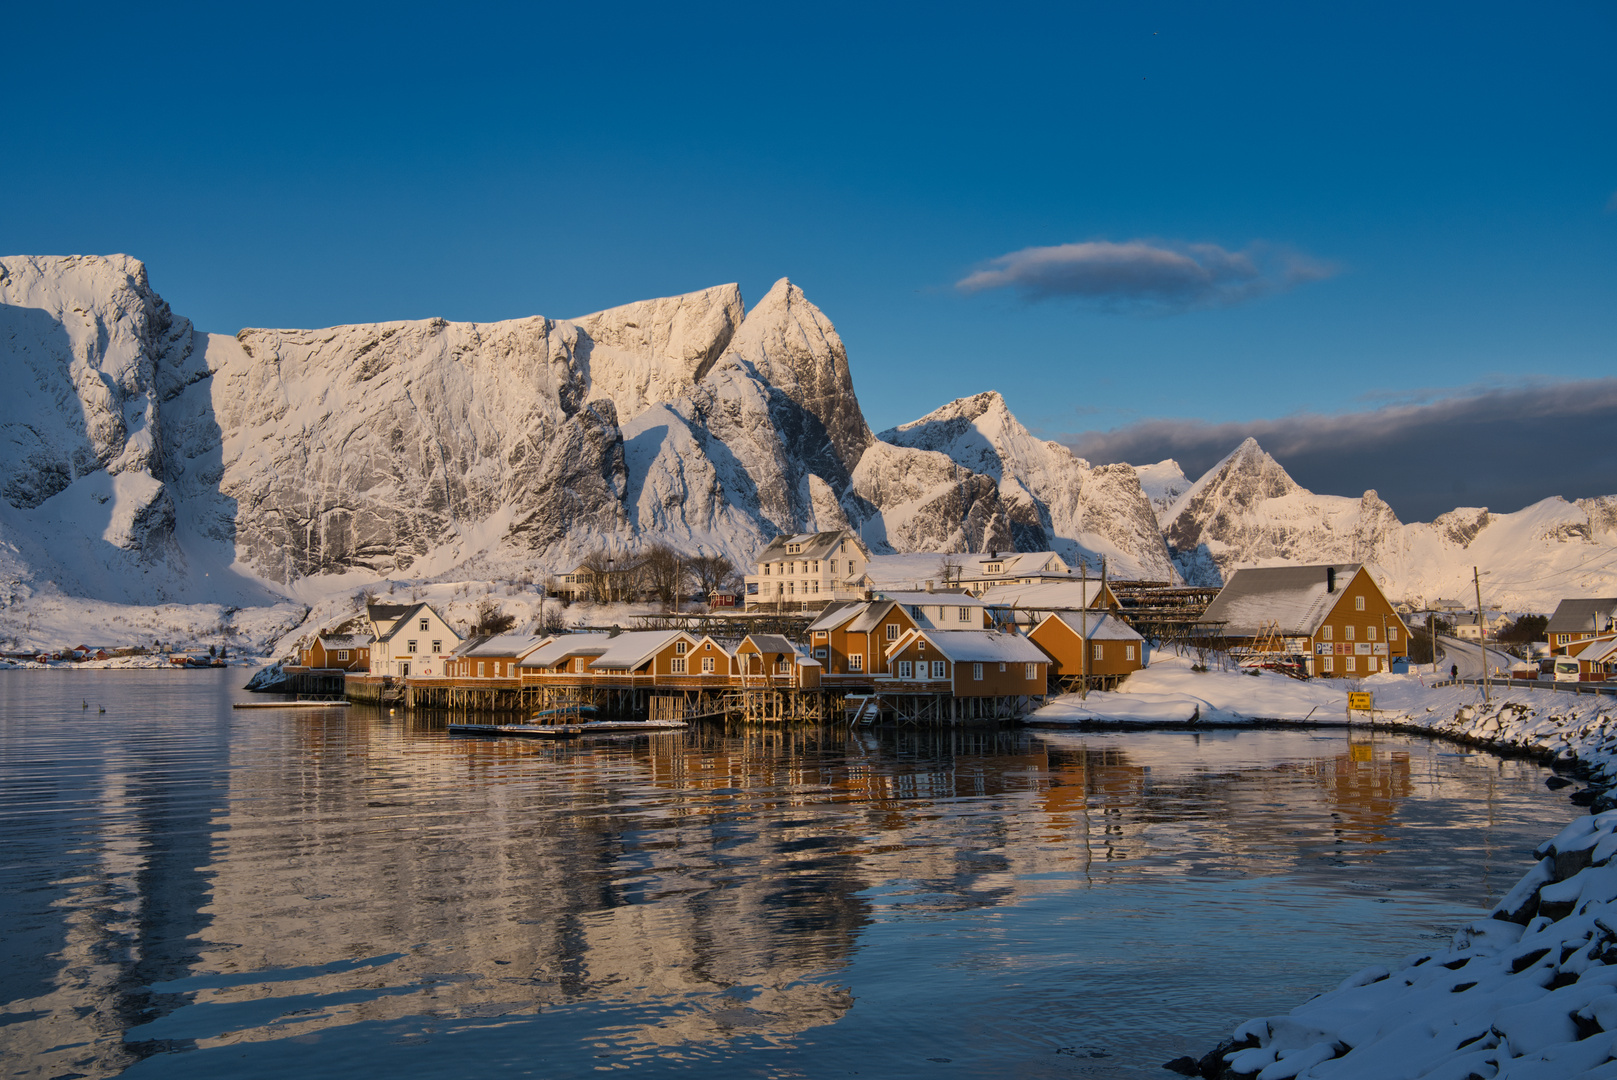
x,y
1566,669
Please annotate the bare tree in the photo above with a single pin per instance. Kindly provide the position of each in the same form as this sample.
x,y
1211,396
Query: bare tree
x,y
552,621
949,568
663,571
712,573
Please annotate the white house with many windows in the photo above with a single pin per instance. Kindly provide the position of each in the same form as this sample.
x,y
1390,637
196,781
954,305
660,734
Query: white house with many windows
x,y
417,641
808,570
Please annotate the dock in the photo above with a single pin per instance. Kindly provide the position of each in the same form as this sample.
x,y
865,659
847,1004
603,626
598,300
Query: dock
x,y
338,704
569,731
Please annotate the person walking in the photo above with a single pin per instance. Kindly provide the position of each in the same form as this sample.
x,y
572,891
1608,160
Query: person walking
x,y
1454,673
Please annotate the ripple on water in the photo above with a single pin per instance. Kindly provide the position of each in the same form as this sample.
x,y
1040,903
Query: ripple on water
x,y
192,891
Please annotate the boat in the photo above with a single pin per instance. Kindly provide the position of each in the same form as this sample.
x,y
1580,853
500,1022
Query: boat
x,y
581,713
569,731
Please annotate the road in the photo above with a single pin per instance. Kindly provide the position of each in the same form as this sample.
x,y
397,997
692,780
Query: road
x,y
1467,656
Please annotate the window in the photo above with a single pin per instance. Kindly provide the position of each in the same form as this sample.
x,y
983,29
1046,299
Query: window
x,y
1098,650
680,647
784,665
1032,672
1350,662
578,665
819,654
816,587
1347,632
1369,633
965,614
937,670
976,671
1326,664
1325,632
677,665
1002,669
993,568
342,654
892,631
850,566
425,625
437,646
766,569
905,668
1392,633
1128,652
1358,603
409,646
856,661
707,665
819,635
480,669
816,566
793,549
791,587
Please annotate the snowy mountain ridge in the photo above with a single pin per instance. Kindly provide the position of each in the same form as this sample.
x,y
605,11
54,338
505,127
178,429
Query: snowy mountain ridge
x,y
149,463
1247,511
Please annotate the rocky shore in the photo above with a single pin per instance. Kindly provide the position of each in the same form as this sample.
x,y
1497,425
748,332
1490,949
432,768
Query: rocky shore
x,y
1527,993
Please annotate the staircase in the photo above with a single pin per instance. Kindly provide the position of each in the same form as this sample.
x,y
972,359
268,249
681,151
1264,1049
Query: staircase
x,y
863,709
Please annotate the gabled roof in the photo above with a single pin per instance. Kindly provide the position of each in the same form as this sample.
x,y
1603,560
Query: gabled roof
x,y
384,612
815,546
980,646
871,617
403,621
834,615
501,645
1575,615
1294,598
1599,652
1046,595
629,650
944,598
1100,627
771,644
566,646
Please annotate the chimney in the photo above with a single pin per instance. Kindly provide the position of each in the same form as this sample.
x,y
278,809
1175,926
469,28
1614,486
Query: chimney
x,y
929,586
1330,579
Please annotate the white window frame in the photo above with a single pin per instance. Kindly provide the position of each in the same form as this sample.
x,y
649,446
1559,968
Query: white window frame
x,y
1358,603
905,669
677,665
1351,663
1032,672
681,648
892,631
409,647
1099,653
707,665
856,661
1347,633
1325,632
1128,652
977,671
938,671
965,614
425,626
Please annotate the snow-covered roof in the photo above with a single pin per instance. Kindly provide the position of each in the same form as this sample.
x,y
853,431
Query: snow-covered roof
x,y
629,650
1048,595
502,645
966,646
1294,598
404,621
1100,627
1599,652
1575,615
834,615
565,646
813,546
946,599
874,612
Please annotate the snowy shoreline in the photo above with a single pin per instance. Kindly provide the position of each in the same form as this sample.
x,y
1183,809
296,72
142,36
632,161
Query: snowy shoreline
x,y
1529,992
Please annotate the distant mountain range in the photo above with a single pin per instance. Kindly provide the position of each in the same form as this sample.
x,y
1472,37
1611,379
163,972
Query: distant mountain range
x,y
149,463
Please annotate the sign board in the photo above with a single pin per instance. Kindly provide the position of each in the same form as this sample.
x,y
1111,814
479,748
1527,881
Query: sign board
x,y
1361,701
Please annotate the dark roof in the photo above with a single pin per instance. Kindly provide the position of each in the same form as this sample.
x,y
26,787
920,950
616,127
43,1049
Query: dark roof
x,y
771,643
1571,616
387,611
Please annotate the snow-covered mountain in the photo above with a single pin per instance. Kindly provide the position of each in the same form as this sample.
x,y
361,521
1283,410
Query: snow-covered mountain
x,y
157,476
1049,498
150,463
1247,511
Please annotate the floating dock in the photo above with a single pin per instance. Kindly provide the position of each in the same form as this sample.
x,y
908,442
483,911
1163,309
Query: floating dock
x,y
339,704
568,731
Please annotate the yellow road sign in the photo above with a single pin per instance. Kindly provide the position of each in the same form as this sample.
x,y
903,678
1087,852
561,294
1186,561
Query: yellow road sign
x,y
1360,701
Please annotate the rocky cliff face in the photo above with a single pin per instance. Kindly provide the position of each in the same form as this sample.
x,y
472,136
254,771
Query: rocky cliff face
x,y
1048,498
293,457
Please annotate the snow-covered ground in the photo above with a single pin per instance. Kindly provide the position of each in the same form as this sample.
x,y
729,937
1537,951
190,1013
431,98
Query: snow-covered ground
x,y
1527,994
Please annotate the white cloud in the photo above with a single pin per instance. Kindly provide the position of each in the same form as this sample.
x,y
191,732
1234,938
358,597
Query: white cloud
x,y
1150,274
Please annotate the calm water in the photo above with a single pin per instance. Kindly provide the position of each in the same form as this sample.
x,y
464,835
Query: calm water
x,y
192,891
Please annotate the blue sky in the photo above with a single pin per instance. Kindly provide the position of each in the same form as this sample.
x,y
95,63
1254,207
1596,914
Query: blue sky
x,y
1356,208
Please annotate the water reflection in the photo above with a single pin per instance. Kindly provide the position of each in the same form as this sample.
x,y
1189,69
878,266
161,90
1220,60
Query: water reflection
x,y
196,890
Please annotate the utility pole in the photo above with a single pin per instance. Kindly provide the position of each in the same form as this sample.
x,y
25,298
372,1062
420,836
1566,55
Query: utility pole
x,y
1482,634
1431,624
1083,623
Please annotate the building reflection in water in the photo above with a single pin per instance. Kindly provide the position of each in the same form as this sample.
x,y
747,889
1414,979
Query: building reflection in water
x,y
317,872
